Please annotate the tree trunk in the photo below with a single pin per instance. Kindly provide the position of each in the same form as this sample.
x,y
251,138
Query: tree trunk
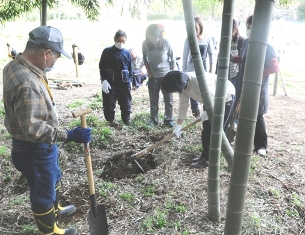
x,y
199,70
44,7
252,81
218,117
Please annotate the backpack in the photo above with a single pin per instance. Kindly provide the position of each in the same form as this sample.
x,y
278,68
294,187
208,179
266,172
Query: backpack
x,y
80,56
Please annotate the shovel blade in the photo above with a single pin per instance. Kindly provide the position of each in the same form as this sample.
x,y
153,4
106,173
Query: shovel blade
x,y
98,225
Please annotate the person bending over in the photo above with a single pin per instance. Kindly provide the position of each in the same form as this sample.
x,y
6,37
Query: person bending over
x,y
186,85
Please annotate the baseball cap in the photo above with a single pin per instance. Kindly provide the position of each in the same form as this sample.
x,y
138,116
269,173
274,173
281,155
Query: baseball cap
x,y
49,38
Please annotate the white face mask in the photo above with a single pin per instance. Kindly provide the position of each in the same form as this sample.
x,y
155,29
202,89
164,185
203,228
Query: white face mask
x,y
46,69
119,45
248,32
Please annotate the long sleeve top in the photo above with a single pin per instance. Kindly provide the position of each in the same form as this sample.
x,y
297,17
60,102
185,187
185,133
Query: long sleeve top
x,y
30,114
160,62
270,66
205,48
115,67
193,91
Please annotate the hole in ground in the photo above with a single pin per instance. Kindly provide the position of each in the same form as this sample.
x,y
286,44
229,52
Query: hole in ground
x,y
122,166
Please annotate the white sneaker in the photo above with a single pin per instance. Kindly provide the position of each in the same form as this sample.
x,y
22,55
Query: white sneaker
x,y
262,152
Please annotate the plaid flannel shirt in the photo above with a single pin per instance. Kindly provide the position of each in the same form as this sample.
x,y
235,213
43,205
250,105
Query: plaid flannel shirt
x,y
30,114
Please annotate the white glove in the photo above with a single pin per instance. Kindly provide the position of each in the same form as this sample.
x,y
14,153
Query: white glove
x,y
204,116
177,131
106,86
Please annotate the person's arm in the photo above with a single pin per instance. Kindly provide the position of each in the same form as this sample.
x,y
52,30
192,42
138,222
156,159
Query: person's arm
x,y
186,52
210,53
103,65
130,67
172,59
145,60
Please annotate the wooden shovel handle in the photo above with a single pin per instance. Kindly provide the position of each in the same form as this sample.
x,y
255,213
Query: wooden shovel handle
x,y
146,150
88,159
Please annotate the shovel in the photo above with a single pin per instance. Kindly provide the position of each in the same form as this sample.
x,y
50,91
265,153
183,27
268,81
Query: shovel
x,y
97,215
134,157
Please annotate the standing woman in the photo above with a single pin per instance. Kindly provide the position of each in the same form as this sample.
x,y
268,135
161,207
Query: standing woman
x,y
205,47
236,44
116,77
158,60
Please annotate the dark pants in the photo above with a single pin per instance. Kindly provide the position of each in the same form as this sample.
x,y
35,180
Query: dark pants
x,y
154,87
194,104
38,162
206,132
260,137
138,79
123,96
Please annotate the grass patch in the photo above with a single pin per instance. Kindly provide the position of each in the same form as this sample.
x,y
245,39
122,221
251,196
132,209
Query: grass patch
x,y
101,132
275,193
129,197
157,221
149,191
4,152
76,104
28,229
193,148
105,188
96,102
139,121
19,201
178,207
2,111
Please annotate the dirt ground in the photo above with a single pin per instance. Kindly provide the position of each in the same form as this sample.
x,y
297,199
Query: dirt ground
x,y
170,197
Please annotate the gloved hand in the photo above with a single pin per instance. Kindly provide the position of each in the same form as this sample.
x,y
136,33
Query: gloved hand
x,y
177,131
106,86
80,135
204,116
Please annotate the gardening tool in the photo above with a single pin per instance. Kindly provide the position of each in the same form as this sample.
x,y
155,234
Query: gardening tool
x,y
97,215
146,150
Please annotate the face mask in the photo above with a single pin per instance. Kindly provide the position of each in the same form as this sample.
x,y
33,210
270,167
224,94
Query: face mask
x,y
46,69
119,45
248,32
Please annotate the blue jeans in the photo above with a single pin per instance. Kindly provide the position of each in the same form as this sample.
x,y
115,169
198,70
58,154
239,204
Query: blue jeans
x,y
38,162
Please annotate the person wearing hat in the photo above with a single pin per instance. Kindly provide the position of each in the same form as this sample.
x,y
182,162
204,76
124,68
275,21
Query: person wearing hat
x,y
32,121
186,85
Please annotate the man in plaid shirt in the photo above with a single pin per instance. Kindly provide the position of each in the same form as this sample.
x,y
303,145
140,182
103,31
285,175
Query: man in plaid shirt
x,y
31,119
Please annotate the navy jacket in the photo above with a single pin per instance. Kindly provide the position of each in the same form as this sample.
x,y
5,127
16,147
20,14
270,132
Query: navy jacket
x,y
115,66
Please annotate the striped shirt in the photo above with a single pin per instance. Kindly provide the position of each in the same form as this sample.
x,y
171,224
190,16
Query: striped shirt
x,y
29,112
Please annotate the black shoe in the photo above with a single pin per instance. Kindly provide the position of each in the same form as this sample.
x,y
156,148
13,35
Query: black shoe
x,y
201,164
197,159
169,123
113,124
64,211
151,123
127,123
